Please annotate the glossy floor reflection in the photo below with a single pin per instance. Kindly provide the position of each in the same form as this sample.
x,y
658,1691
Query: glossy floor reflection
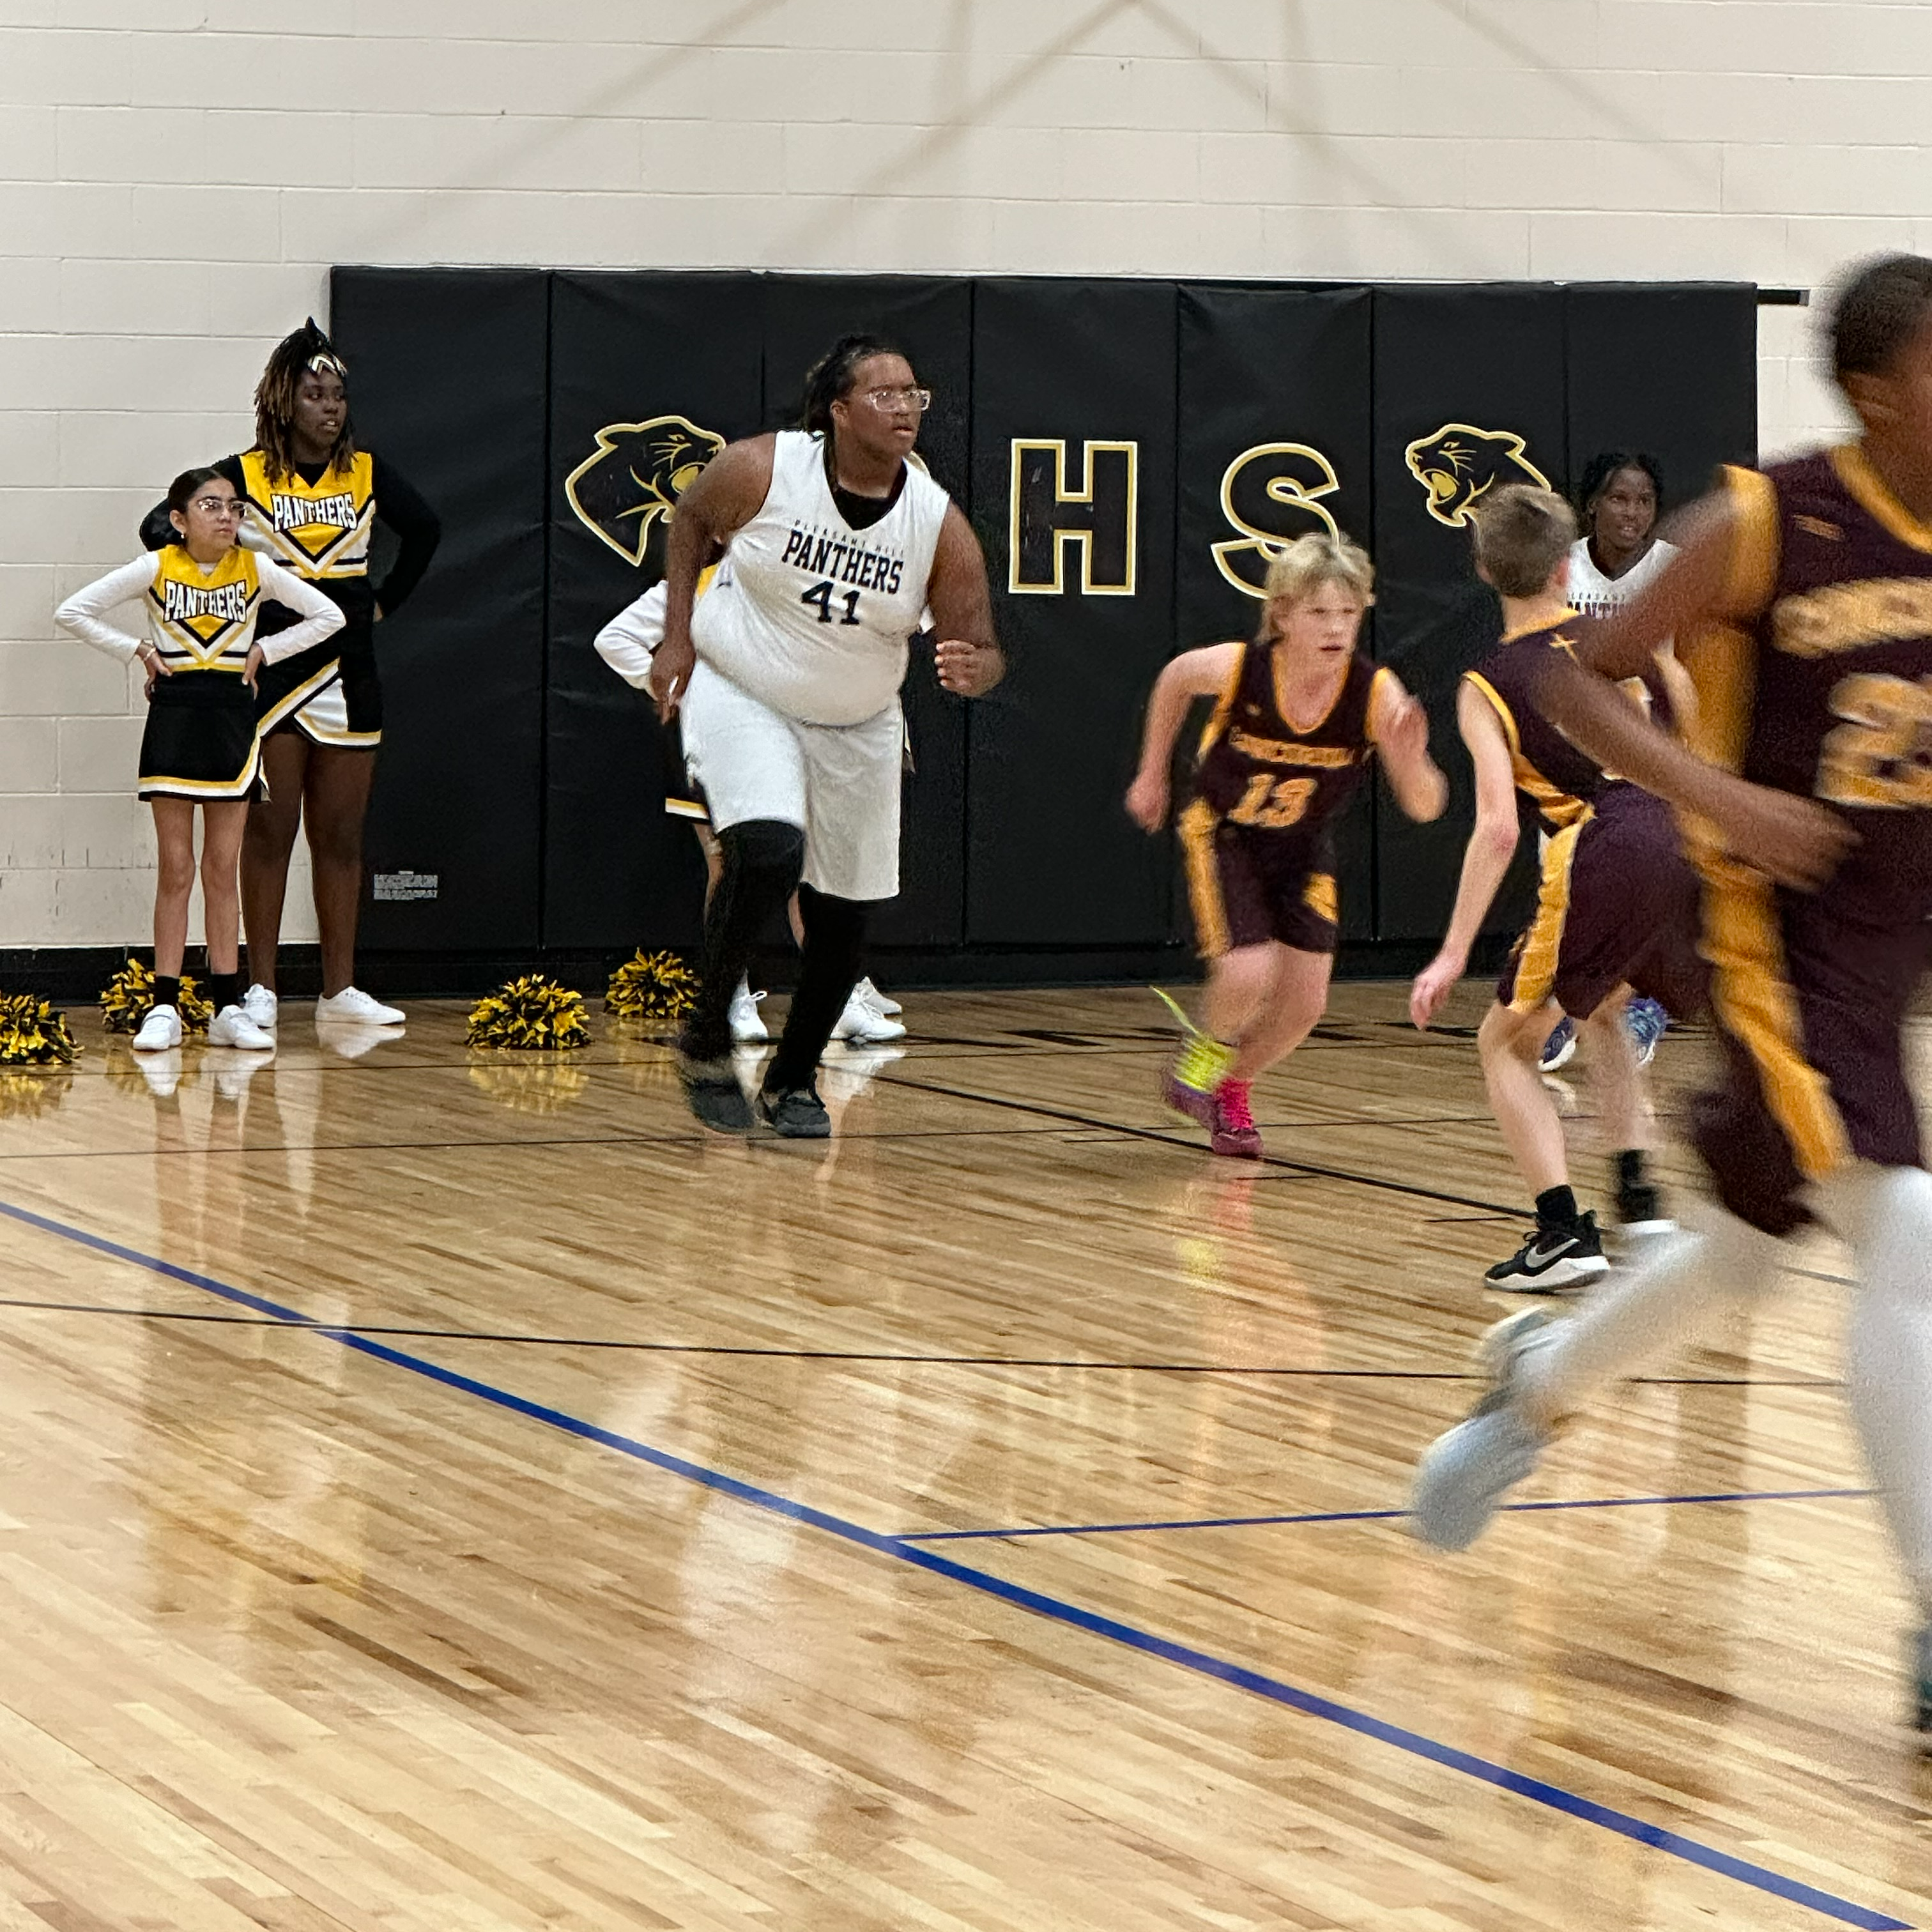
x,y
446,1489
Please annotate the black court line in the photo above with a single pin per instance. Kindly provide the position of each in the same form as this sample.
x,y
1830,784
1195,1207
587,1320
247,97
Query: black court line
x,y
858,1355
1162,1139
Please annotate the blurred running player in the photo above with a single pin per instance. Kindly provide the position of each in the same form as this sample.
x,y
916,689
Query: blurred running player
x,y
1802,608
1257,831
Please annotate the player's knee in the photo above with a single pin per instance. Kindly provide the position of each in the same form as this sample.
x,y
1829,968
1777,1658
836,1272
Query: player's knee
x,y
772,849
1504,1033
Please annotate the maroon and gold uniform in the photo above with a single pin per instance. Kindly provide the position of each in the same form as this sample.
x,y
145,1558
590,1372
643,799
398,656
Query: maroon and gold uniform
x,y
1820,685
1258,831
1617,901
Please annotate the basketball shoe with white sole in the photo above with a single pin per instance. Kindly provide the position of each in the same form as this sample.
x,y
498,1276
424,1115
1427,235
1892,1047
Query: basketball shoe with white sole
x,y
232,1026
1551,1258
352,1004
159,1030
262,1006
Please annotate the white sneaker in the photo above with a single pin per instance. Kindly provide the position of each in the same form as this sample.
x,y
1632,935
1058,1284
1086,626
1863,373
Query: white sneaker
x,y
352,1004
232,1026
863,1025
159,1030
747,1029
260,1005
865,990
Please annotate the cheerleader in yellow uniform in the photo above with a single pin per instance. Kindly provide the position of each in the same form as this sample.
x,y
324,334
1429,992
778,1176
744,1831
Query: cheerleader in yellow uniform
x,y
203,596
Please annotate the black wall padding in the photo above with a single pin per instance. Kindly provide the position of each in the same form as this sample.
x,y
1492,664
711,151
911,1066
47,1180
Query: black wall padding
x,y
1274,428
931,319
449,370
1052,857
1469,391
629,354
1672,372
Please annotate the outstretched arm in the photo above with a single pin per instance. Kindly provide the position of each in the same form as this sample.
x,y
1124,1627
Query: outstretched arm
x,y
729,491
1715,580
967,655
1485,858
1398,729
1193,674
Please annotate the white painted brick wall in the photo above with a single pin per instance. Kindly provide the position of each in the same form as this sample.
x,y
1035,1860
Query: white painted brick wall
x,y
176,175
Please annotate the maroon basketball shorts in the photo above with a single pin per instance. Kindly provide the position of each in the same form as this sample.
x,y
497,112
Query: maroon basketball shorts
x,y
1249,886
1617,903
1808,1001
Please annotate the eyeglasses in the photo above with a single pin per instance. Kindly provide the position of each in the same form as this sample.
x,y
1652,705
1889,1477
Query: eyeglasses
x,y
217,506
885,400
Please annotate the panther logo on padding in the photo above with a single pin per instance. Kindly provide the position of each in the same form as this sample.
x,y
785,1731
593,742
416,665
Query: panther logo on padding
x,y
635,475
1459,465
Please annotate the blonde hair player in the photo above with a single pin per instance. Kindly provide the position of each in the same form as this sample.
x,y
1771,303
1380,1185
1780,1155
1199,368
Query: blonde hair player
x,y
1616,906
1300,714
202,746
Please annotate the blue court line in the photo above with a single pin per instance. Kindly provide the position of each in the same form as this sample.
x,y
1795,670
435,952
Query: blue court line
x,y
1366,1515
1693,1851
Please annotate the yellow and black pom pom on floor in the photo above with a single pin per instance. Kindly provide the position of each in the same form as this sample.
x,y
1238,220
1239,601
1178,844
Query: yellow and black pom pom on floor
x,y
127,999
530,1014
32,1034
655,987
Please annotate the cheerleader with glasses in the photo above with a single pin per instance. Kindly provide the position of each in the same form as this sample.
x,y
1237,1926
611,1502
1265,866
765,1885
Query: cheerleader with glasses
x,y
204,597
311,499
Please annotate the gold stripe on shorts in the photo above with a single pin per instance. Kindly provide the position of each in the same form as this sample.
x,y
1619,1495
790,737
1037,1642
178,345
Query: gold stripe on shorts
x,y
1542,943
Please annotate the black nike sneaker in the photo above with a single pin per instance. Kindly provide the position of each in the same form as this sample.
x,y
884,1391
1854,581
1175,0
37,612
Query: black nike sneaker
x,y
1552,1258
712,1088
796,1114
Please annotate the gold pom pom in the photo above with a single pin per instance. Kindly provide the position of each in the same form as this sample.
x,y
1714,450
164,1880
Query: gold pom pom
x,y
530,1013
652,986
128,998
32,1034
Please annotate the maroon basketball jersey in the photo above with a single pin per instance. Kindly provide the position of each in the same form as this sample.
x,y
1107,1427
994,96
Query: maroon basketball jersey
x,y
1560,781
1259,769
1827,692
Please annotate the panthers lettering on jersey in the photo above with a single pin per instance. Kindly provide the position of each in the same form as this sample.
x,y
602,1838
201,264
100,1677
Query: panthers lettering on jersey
x,y
204,622
843,556
318,530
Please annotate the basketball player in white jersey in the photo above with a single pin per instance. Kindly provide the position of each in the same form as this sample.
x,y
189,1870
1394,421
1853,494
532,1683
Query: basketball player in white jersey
x,y
787,681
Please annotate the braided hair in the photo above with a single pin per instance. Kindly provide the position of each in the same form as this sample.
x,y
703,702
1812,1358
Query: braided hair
x,y
829,380
293,357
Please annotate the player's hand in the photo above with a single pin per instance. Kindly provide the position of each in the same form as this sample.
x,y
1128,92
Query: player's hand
x,y
1433,986
1404,732
968,670
251,665
672,663
1795,841
1146,800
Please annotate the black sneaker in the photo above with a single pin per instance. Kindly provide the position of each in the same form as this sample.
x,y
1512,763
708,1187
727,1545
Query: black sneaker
x,y
1551,1259
1640,1213
712,1088
797,1113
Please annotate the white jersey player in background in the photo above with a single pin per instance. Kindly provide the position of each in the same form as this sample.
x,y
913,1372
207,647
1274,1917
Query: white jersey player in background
x,y
787,681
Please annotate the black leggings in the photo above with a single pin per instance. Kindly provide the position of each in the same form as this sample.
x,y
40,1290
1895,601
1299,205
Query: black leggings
x,y
762,858
834,943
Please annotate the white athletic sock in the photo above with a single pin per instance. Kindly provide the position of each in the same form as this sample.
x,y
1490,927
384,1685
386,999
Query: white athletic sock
x,y
1886,1213
1683,1282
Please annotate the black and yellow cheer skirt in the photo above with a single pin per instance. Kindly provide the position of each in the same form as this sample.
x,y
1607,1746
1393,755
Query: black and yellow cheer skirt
x,y
201,741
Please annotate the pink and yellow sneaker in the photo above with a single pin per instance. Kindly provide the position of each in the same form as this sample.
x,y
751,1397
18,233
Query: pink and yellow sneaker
x,y
1232,1131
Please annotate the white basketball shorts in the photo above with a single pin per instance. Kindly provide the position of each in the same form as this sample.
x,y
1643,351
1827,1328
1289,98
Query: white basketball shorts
x,y
839,782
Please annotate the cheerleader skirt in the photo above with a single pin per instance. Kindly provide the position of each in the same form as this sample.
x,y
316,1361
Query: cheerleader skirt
x,y
202,740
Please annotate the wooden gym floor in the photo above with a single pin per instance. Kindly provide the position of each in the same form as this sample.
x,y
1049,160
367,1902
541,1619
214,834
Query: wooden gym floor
x,y
442,1491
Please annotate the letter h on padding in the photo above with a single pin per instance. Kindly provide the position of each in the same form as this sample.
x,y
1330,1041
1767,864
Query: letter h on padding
x,y
1102,516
